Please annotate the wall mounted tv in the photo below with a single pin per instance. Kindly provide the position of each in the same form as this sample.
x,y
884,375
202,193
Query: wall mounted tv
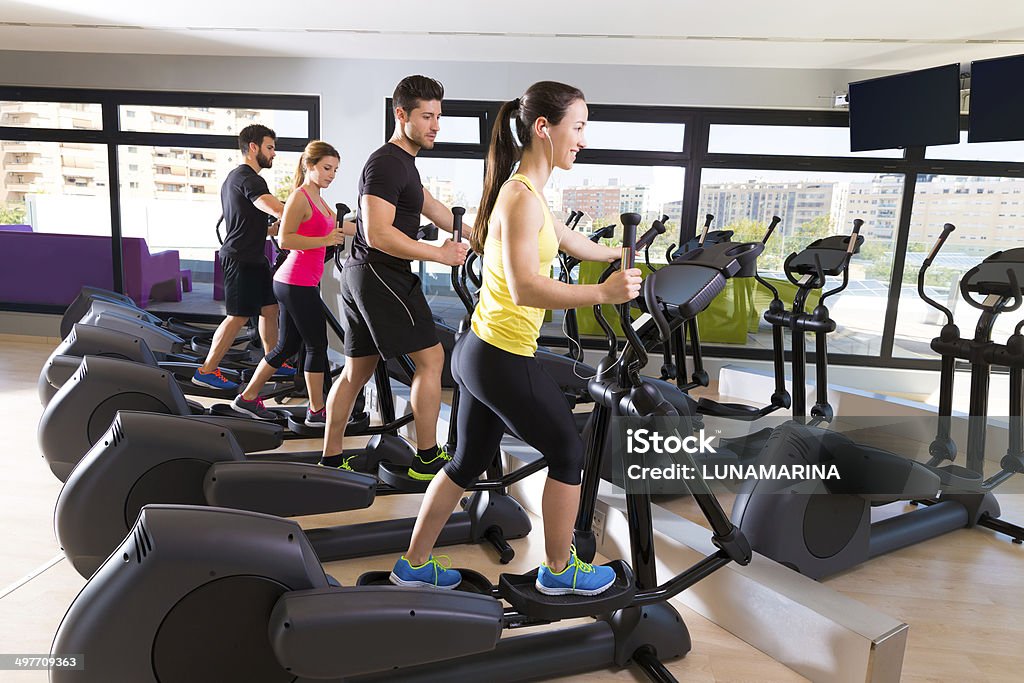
x,y
905,110
997,100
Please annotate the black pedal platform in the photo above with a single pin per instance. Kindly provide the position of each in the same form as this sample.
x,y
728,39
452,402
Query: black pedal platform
x,y
397,477
472,582
296,423
225,410
520,591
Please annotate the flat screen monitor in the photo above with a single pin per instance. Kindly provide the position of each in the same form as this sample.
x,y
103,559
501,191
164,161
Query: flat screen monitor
x,y
906,110
997,100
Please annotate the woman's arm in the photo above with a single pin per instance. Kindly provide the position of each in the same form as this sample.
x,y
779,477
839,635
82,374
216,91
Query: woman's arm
x,y
579,245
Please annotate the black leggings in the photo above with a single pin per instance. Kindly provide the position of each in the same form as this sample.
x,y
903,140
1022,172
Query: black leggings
x,y
499,389
302,322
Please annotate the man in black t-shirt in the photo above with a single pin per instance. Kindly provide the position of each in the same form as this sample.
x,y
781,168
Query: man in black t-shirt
x,y
247,203
385,311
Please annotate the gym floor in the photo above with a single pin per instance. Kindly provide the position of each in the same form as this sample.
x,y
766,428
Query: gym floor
x,y
961,594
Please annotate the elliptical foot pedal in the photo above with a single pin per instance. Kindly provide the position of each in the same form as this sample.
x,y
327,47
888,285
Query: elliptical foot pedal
x,y
225,410
297,424
520,591
397,477
357,424
472,582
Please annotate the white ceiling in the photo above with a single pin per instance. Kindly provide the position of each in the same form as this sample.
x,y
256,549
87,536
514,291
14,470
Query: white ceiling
x,y
870,34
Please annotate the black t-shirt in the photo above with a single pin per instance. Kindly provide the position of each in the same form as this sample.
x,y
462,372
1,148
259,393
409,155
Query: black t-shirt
x,y
246,225
390,173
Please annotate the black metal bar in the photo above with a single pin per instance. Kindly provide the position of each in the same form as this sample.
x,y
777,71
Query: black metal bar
x,y
977,417
898,261
647,659
681,582
114,197
593,465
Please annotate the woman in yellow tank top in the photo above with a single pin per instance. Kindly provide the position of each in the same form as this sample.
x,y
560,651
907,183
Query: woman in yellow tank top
x,y
501,382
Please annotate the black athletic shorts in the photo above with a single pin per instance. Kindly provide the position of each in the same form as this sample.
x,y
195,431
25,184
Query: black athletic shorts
x,y
385,311
248,287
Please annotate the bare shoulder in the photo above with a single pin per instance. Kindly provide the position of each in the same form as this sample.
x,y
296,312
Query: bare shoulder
x,y
517,208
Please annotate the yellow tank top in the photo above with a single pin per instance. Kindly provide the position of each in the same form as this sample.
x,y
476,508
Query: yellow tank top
x,y
497,320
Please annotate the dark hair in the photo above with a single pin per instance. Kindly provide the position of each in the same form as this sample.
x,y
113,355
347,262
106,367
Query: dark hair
x,y
544,98
311,156
254,133
414,89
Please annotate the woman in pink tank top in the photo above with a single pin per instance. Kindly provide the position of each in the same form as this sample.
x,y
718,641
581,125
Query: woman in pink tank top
x,y
308,227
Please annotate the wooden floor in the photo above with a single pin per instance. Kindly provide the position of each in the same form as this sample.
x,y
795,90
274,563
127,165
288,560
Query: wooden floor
x,y
960,594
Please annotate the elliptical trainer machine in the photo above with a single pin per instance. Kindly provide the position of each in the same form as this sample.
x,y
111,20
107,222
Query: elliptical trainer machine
x,y
820,527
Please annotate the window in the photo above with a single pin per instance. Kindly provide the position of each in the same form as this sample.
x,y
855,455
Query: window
x,y
55,180
63,115
812,205
824,141
977,234
634,135
980,151
214,120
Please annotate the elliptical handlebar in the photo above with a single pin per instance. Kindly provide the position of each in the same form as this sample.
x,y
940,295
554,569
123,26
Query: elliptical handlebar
x,y
458,284
771,228
341,210
926,264
707,225
630,221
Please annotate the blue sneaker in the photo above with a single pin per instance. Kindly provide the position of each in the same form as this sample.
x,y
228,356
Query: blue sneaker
x,y
286,371
578,578
431,574
213,380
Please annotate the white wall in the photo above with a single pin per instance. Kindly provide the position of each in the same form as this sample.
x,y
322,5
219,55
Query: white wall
x,y
352,91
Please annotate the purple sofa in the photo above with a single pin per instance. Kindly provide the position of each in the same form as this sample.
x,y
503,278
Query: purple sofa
x,y
49,268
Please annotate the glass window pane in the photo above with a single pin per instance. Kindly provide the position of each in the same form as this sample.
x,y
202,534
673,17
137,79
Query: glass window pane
x,y
170,203
811,205
453,182
54,221
67,115
791,140
988,214
978,151
650,137
460,129
158,118
602,193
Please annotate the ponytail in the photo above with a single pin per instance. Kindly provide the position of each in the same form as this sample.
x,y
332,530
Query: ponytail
x,y
300,172
502,156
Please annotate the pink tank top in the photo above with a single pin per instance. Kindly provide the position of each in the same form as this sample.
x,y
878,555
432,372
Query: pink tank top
x,y
305,267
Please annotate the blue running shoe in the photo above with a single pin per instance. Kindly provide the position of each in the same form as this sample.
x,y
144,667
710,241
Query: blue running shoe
x,y
286,371
578,578
434,573
213,380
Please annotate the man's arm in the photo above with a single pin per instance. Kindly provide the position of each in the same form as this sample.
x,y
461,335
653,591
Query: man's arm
x,y
441,216
381,234
269,204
